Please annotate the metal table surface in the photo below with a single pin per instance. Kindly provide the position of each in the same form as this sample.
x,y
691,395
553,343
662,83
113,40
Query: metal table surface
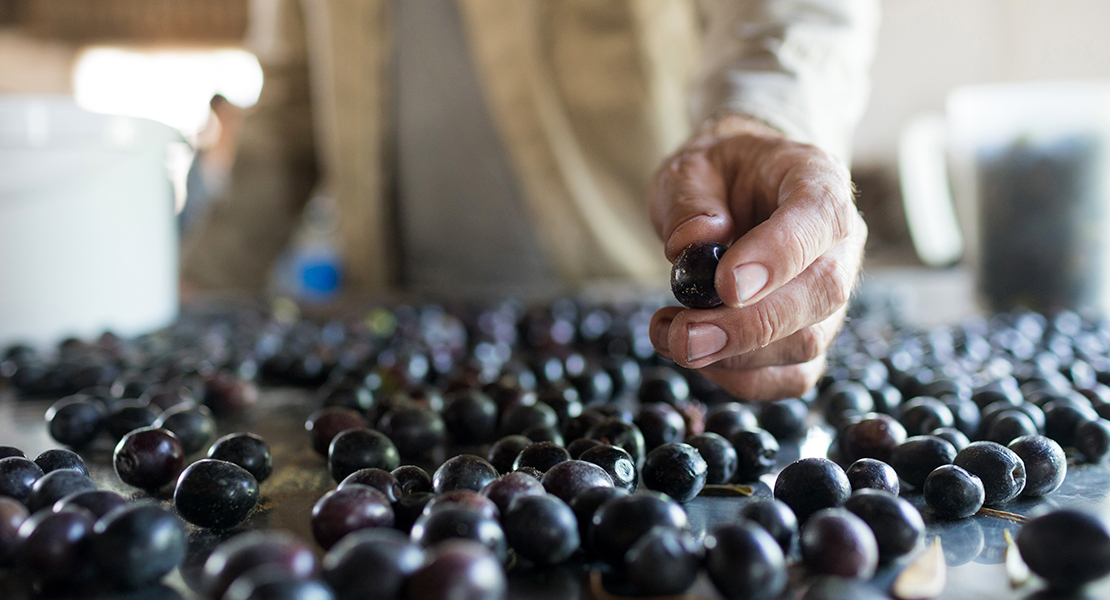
x,y
974,547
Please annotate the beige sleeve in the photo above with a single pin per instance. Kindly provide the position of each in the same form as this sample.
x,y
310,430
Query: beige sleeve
x,y
800,66
275,167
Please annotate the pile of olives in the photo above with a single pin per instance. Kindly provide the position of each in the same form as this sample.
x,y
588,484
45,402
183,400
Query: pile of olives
x,y
468,441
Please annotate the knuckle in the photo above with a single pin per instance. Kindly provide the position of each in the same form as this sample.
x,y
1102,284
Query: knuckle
x,y
767,325
795,386
811,344
801,244
836,286
840,212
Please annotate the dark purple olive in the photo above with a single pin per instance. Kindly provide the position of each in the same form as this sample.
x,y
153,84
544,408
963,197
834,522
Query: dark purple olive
x,y
371,563
676,470
56,485
897,525
247,450
412,479
61,458
1092,439
507,488
227,394
875,436
837,542
273,583
541,456
660,423
915,458
729,418
137,544
97,502
215,494
466,499
953,493
326,423
415,431
379,479
502,454
17,475
342,511
618,463
776,518
356,449
999,468
580,445
75,421
619,523
1009,425
1045,464
873,474
585,505
744,562
1068,548
57,547
193,424
463,472
470,417
12,516
756,453
458,568
519,417
541,528
923,414
128,415
616,432
784,419
719,454
148,458
663,384
460,523
664,561
252,549
693,275
572,477
811,484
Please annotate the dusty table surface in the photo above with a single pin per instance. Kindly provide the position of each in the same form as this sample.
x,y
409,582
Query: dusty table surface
x,y
974,548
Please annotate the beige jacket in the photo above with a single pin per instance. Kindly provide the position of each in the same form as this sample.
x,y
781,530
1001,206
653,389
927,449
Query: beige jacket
x,y
587,95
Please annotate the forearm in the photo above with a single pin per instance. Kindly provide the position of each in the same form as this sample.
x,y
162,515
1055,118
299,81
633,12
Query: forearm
x,y
798,66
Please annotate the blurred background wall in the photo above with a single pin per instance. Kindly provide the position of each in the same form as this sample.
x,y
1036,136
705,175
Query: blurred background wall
x,y
926,48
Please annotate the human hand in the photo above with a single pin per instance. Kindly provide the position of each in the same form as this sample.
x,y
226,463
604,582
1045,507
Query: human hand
x,y
796,244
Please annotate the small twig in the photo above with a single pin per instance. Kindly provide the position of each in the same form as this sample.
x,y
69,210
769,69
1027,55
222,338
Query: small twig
x,y
1005,516
727,491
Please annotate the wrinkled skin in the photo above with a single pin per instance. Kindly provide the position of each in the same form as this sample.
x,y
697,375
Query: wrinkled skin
x,y
777,203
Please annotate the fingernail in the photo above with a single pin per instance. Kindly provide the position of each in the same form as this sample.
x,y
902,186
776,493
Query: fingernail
x,y
704,339
659,335
750,280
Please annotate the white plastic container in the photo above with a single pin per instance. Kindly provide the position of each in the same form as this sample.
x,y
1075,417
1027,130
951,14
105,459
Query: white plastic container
x,y
1029,166
88,241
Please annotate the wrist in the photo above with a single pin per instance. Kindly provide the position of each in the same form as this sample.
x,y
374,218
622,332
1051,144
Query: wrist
x,y
727,125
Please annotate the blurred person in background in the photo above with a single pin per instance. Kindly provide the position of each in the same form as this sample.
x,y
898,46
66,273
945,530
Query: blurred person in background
x,y
215,153
497,145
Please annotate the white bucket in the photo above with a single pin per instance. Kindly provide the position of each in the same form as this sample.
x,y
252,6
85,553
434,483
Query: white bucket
x,y
88,241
